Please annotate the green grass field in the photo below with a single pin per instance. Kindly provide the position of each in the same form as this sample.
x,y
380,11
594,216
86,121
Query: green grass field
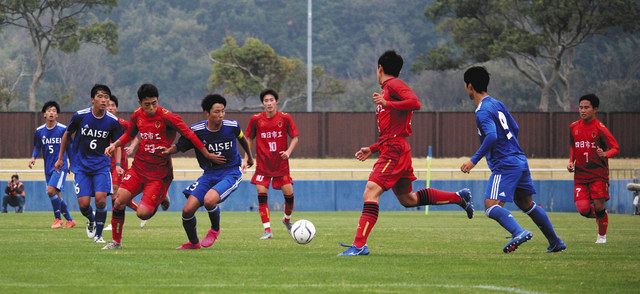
x,y
410,252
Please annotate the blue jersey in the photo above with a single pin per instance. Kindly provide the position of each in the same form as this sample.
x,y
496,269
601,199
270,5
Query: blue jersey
x,y
92,136
499,137
48,141
222,142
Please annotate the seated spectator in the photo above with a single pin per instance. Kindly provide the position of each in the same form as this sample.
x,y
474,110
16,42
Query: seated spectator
x,y
14,195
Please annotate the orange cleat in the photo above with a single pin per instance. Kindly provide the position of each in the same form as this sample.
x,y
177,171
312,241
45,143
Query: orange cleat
x,y
70,224
57,223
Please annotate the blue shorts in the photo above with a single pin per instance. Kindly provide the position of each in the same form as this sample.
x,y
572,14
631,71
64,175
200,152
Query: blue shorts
x,y
56,179
87,184
503,186
224,181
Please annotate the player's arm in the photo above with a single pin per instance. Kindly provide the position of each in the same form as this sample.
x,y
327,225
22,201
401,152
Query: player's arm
x,y
248,135
407,99
488,128
125,138
37,145
173,120
612,143
571,166
292,145
247,161
133,146
183,145
74,124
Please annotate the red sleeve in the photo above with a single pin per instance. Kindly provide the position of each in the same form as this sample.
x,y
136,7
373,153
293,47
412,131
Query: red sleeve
x,y
251,128
612,143
572,145
132,131
407,99
177,122
292,130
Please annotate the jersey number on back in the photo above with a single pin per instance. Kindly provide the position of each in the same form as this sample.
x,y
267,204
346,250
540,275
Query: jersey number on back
x,y
505,126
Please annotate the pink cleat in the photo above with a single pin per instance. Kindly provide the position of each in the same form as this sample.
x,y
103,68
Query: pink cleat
x,y
210,238
188,245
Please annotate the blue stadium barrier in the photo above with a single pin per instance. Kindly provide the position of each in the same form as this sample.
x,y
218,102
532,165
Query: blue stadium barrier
x,y
553,196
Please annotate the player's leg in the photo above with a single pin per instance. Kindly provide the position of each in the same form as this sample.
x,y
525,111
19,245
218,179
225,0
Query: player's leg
x,y
131,185
524,201
285,184
55,205
262,188
367,221
599,191
55,185
582,200
189,223
5,202
153,194
102,188
223,185
84,191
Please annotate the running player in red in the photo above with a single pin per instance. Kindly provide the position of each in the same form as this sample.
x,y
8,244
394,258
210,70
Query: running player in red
x,y
270,129
591,146
394,170
151,172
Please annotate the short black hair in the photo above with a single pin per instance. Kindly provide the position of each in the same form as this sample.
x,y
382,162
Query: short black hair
x,y
50,103
478,77
595,101
391,63
147,90
114,99
266,92
99,87
210,100
15,176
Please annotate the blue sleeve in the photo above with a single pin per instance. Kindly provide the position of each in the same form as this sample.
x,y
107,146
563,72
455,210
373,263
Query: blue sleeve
x,y
488,128
184,144
37,145
74,123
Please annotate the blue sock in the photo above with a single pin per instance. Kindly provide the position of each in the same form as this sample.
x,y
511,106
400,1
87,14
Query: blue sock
x,y
101,216
539,216
65,210
88,213
55,203
505,219
189,225
214,216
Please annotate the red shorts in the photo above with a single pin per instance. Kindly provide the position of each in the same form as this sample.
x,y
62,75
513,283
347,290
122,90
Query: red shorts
x,y
277,182
153,191
115,178
590,191
393,164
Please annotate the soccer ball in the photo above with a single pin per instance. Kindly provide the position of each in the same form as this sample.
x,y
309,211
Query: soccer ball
x,y
303,231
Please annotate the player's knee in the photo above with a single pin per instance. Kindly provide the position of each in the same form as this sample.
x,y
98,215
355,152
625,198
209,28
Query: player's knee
x,y
101,205
51,191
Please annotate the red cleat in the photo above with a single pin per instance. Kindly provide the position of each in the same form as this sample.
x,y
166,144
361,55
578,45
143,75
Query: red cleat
x,y
210,238
70,224
188,245
57,223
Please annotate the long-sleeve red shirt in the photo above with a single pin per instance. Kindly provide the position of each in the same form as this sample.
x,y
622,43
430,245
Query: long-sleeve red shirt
x,y
394,119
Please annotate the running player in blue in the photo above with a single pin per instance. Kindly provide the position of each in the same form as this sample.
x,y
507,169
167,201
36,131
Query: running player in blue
x,y
94,128
46,139
221,175
510,176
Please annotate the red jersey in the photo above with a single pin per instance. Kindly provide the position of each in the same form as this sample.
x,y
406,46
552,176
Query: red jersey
x,y
585,138
394,120
155,131
270,135
124,159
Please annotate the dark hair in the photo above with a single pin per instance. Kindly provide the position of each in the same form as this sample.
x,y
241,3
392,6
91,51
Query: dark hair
x,y
595,101
391,63
268,92
147,90
212,99
15,176
114,99
50,103
98,87
478,77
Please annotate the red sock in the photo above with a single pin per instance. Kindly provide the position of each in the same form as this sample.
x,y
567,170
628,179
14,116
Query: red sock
x,y
288,204
367,220
117,224
263,207
133,205
438,197
603,224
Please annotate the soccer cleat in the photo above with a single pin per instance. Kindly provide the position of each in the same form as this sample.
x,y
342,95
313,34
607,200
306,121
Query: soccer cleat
x,y
210,238
465,194
165,203
287,223
602,239
91,229
556,246
113,245
520,238
143,223
57,223
70,224
99,240
353,250
188,245
266,236
108,228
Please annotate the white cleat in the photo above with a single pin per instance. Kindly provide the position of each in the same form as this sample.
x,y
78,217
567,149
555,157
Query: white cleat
x,y
91,230
99,240
107,228
602,239
143,223
112,246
